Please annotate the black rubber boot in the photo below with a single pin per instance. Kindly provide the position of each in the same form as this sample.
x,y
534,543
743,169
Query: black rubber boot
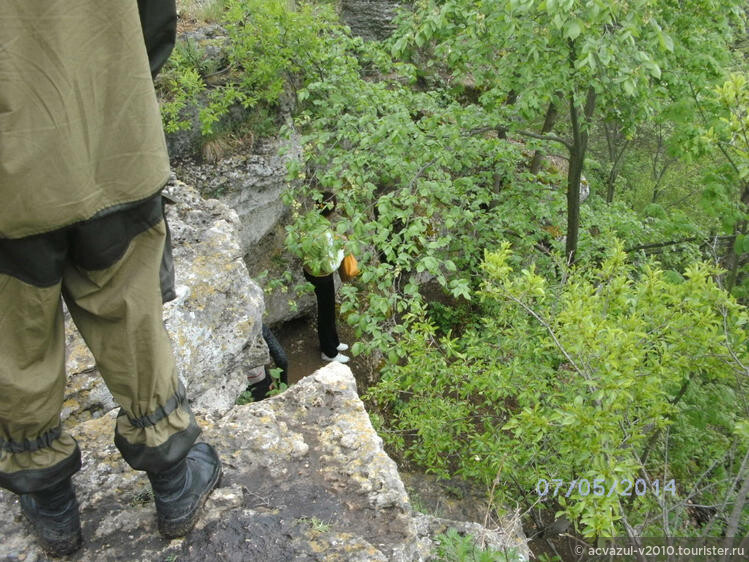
x,y
53,513
181,490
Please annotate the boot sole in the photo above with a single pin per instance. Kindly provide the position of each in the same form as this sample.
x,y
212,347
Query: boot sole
x,y
62,547
179,527
57,546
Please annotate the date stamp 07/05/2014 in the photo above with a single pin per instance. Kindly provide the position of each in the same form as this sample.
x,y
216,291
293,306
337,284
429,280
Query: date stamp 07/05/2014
x,y
603,487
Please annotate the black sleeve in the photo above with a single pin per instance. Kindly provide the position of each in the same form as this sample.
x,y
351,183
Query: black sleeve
x,y
159,21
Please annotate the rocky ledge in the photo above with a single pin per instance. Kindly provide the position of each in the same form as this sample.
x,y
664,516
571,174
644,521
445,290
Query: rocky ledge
x,y
305,478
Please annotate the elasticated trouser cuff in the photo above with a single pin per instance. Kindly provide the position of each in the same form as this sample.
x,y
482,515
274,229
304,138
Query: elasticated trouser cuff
x,y
36,479
141,440
161,457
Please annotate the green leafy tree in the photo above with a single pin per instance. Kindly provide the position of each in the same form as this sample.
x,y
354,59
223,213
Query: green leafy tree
x,y
729,134
418,198
615,370
579,54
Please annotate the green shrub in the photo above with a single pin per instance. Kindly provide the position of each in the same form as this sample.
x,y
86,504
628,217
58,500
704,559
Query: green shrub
x,y
618,373
271,48
454,547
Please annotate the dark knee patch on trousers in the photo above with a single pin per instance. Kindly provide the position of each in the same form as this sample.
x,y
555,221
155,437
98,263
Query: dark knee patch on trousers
x,y
37,260
92,245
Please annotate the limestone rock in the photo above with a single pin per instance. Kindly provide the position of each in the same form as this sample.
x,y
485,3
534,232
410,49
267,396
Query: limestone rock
x,y
370,19
305,478
251,184
214,323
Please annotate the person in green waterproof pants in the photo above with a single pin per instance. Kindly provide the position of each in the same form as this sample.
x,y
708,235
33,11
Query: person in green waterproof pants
x,y
83,161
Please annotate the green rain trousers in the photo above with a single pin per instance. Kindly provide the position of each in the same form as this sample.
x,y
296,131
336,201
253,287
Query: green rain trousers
x,y
107,271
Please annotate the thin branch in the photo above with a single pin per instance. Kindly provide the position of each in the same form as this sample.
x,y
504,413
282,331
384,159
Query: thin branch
x,y
679,201
614,172
674,243
663,244
656,432
479,131
545,324
546,137
421,171
491,498
695,489
660,500
633,534
738,507
553,548
719,512
704,119
744,368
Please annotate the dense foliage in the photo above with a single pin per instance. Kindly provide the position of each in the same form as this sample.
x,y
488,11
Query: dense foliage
x,y
501,360
591,380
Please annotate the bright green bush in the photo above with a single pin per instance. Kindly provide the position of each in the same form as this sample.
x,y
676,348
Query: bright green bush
x,y
616,373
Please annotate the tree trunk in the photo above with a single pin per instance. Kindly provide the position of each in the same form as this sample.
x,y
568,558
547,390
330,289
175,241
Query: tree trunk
x,y
613,137
577,159
551,117
732,260
573,201
659,159
734,519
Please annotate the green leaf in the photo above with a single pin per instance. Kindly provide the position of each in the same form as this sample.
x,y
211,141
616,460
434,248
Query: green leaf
x,y
666,41
741,245
653,69
573,30
742,430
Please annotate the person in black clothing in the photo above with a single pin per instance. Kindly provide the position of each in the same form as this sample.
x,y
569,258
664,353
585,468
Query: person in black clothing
x,y
320,272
